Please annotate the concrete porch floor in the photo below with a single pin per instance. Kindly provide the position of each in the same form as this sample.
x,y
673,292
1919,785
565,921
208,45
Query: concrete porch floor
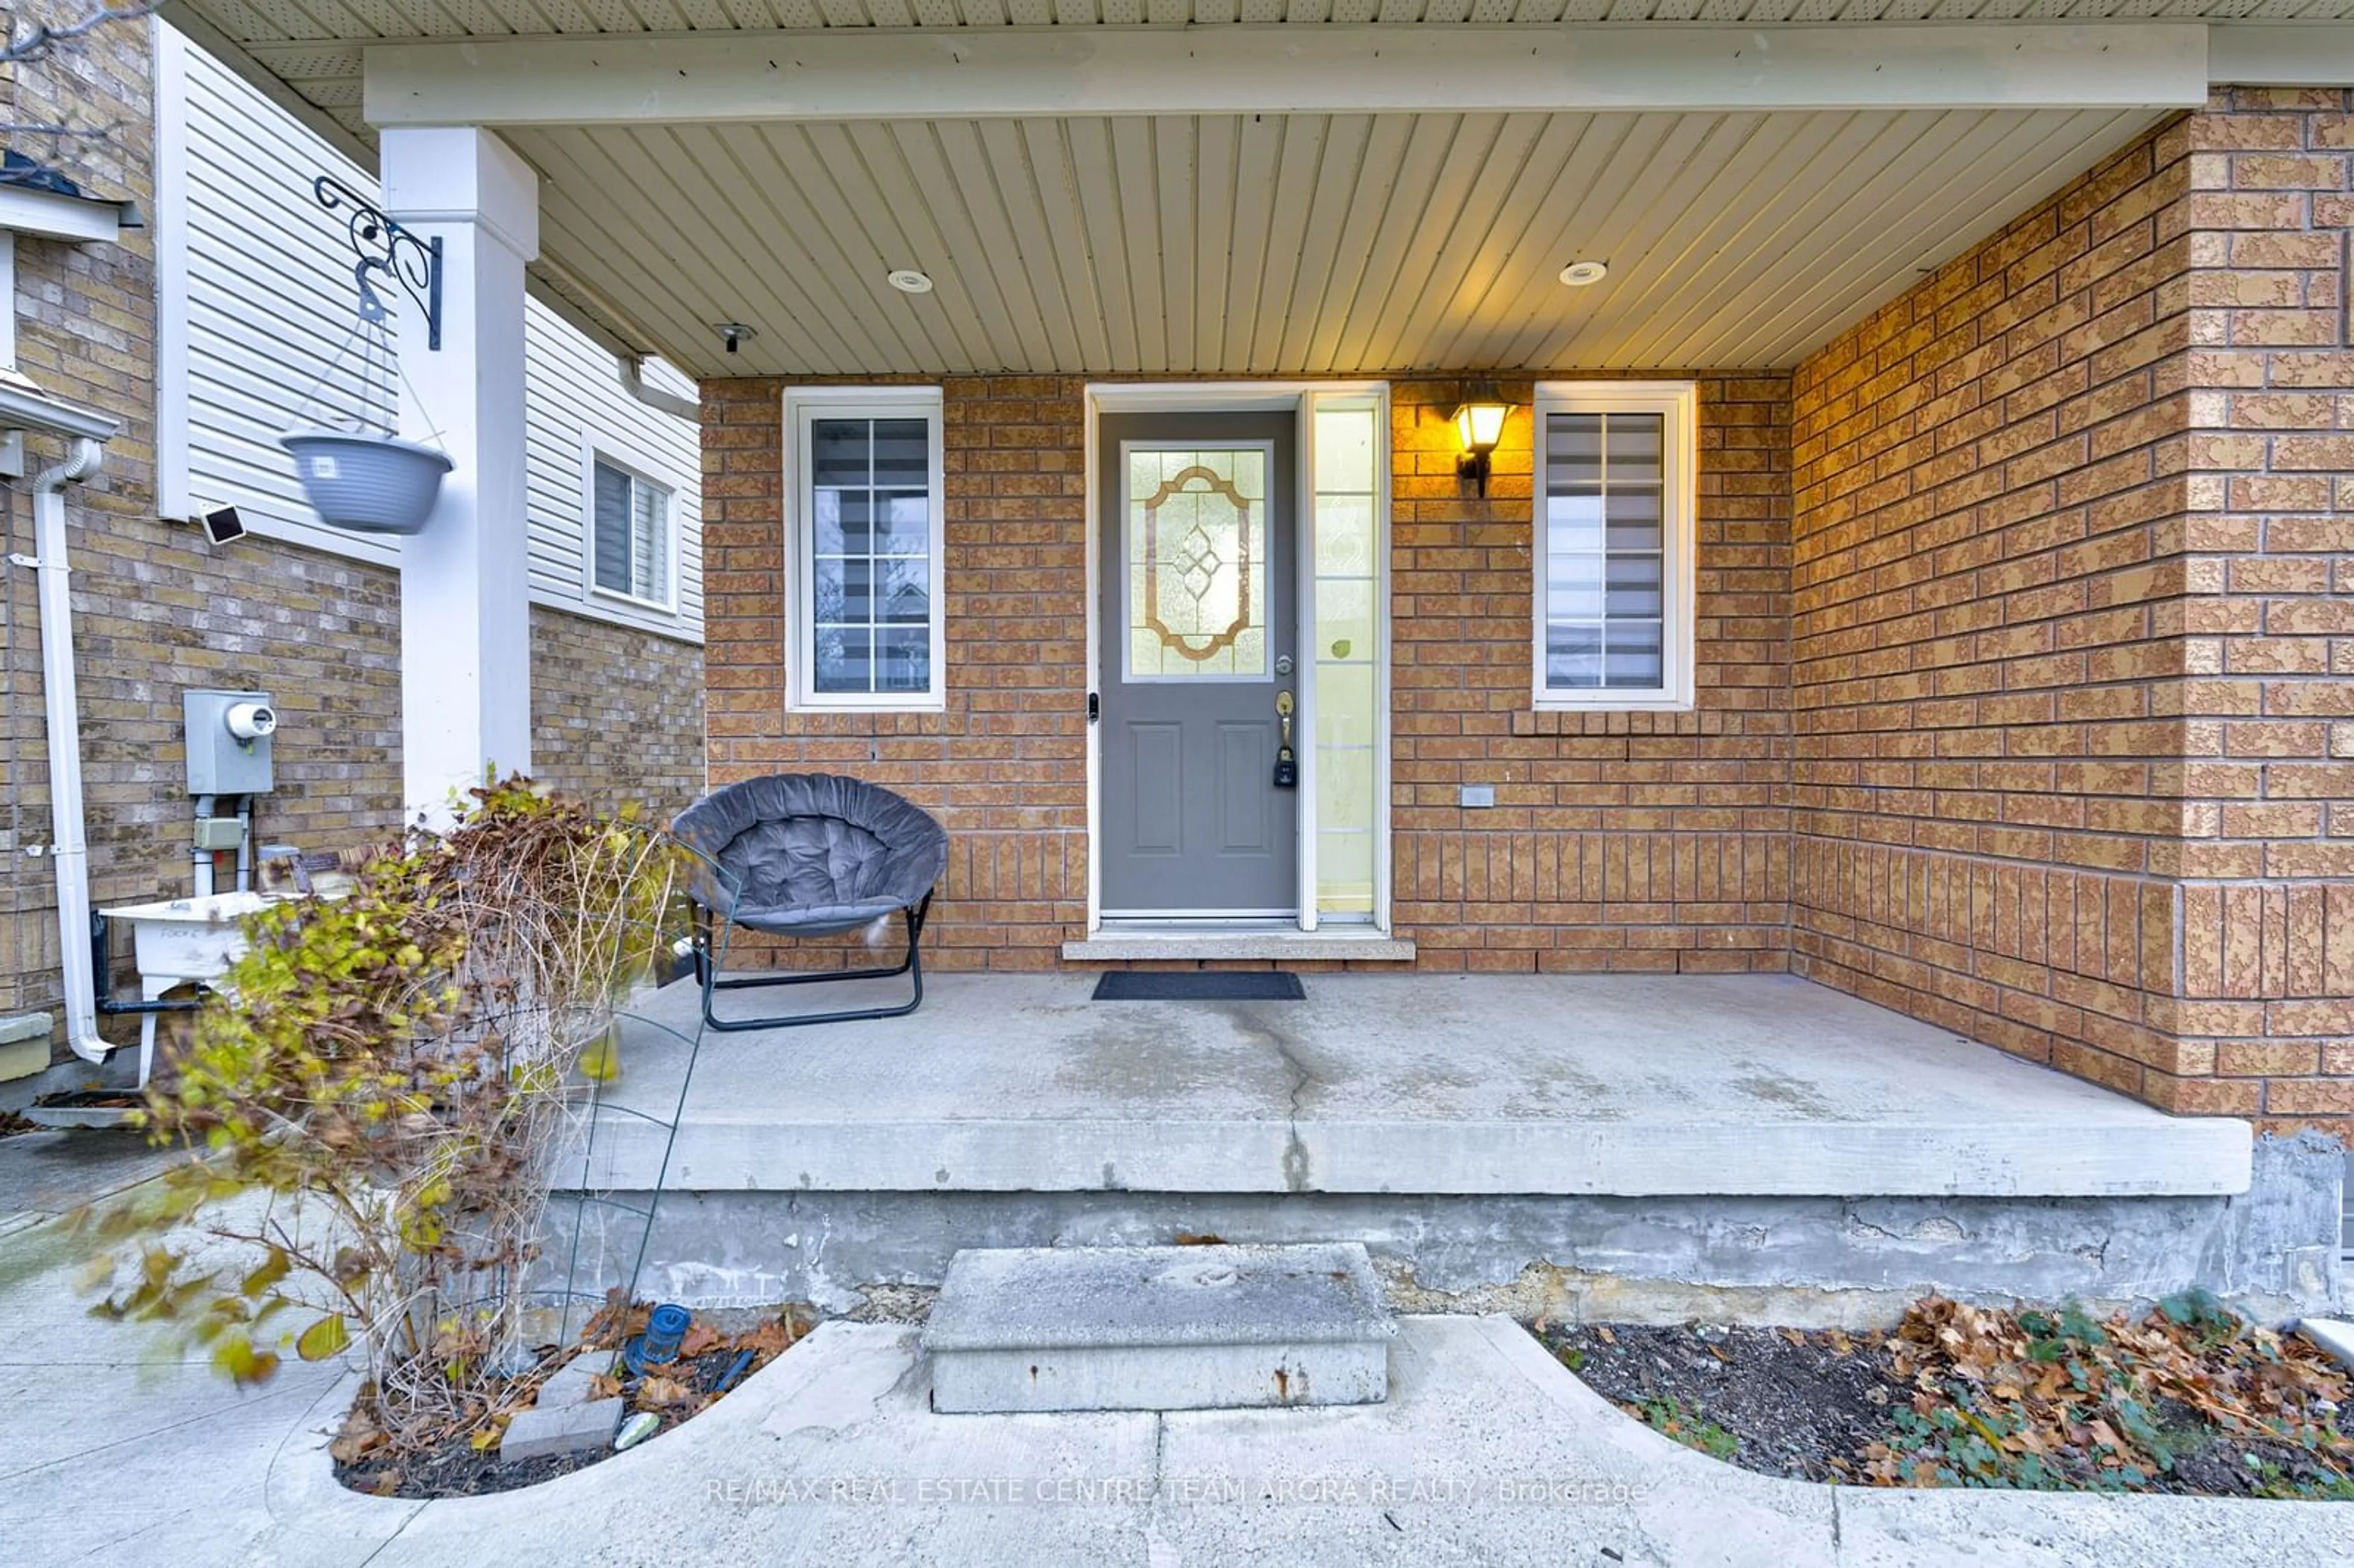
x,y
1628,1086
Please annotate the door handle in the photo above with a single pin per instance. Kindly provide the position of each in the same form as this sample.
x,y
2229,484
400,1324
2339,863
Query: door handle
x,y
1287,761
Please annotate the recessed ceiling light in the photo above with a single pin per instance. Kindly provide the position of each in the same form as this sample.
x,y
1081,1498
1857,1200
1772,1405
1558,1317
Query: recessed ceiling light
x,y
1580,274
907,280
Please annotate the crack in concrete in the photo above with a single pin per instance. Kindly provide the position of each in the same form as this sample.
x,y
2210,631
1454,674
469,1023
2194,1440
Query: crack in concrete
x,y
1848,1216
1159,1451
1297,1171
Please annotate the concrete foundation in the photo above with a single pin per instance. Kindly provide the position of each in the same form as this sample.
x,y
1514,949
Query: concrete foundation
x,y
1604,1084
1743,1148
1854,1262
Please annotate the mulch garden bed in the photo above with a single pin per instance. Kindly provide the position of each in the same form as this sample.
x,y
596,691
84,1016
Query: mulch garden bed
x,y
2185,1398
467,1463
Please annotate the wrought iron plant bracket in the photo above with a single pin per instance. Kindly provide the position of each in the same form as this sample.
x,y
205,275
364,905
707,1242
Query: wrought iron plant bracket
x,y
385,248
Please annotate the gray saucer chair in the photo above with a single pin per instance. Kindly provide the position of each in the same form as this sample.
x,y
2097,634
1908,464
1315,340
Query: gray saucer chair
x,y
810,855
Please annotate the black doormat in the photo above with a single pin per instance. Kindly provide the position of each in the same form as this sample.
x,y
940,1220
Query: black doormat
x,y
1199,985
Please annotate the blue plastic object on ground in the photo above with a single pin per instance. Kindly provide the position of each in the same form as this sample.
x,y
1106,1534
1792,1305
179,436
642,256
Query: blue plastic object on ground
x,y
735,1369
665,1327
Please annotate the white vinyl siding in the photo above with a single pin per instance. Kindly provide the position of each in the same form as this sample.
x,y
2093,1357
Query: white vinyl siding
x,y
256,294
261,277
1613,526
575,401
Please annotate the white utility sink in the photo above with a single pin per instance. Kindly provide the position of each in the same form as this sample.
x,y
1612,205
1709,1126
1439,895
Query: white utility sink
x,y
177,940
187,938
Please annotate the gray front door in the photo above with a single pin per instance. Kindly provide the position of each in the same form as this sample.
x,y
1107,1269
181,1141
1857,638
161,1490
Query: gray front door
x,y
1198,606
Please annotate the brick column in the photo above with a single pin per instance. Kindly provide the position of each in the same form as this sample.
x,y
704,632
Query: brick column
x,y
2265,972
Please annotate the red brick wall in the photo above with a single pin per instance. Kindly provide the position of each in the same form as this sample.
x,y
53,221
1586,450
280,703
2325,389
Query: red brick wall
x,y
2266,992
1987,583
2069,522
1004,767
1653,842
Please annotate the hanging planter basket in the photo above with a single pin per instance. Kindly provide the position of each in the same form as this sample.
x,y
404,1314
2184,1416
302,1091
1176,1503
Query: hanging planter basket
x,y
365,481
359,476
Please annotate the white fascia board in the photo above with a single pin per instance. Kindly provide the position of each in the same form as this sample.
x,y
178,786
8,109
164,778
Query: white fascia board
x,y
2259,54
828,75
50,216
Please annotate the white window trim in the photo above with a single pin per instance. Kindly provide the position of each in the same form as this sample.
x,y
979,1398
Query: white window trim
x,y
1677,402
593,452
173,459
804,405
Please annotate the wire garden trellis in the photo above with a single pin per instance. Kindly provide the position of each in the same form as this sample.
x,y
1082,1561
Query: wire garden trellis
x,y
631,1033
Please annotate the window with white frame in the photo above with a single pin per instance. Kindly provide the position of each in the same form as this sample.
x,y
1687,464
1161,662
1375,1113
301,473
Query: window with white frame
x,y
867,538
1615,472
630,538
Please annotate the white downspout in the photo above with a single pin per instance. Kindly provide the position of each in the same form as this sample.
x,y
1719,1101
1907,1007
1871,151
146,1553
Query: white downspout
x,y
68,846
633,381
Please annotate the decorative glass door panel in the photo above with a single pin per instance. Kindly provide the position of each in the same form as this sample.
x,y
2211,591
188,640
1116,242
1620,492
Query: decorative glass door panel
x,y
1197,562
1199,602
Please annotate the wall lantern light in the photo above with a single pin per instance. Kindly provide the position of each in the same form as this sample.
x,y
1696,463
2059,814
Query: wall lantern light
x,y
1479,425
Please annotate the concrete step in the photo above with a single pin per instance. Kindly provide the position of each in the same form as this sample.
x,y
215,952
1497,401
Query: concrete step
x,y
1159,1328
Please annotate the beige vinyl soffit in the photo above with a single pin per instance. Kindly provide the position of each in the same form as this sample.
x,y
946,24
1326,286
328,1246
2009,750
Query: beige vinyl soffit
x,y
1284,245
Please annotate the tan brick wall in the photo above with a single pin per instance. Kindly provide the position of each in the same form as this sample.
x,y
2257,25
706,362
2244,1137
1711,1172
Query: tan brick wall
x,y
1986,582
1627,842
616,713
2069,517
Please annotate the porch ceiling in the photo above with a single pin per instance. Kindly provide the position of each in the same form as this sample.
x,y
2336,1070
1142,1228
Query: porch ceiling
x,y
1239,204
1280,243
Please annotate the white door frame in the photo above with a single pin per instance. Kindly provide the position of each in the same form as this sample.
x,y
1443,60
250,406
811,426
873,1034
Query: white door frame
x,y
1243,397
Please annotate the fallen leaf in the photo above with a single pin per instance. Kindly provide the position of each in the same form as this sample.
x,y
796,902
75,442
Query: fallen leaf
x,y
1602,1332
697,1341
663,1390
358,1436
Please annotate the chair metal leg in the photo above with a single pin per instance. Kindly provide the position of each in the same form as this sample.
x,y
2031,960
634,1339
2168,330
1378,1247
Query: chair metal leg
x,y
707,970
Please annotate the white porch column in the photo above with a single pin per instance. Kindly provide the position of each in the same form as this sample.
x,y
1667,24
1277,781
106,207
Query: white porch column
x,y
465,614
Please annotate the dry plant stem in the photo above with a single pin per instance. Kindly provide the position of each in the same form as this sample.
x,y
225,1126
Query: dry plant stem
x,y
405,1057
